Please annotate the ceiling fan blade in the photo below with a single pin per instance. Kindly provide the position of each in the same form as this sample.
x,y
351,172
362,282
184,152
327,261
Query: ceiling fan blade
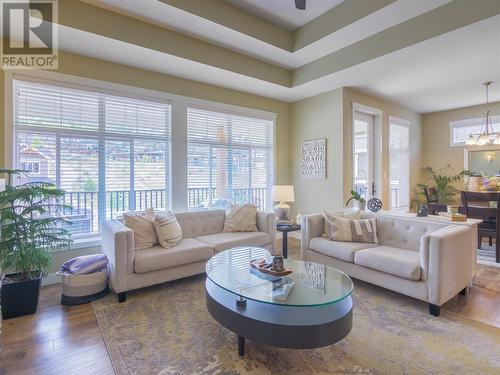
x,y
300,4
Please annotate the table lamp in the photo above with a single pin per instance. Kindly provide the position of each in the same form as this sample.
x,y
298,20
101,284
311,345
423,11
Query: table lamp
x,y
283,194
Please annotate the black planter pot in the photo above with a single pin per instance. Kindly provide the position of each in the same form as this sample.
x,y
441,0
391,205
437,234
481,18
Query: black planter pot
x,y
19,297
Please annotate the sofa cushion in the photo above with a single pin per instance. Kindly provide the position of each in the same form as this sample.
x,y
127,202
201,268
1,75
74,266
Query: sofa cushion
x,y
341,250
241,218
200,223
347,213
168,229
392,260
224,241
142,225
351,230
158,258
404,233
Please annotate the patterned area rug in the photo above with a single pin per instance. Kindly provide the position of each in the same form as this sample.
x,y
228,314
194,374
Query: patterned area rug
x,y
166,329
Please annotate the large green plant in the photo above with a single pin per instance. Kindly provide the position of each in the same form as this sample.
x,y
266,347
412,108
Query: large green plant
x,y
443,181
30,226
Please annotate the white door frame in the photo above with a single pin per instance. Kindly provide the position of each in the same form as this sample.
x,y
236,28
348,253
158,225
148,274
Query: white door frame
x,y
374,146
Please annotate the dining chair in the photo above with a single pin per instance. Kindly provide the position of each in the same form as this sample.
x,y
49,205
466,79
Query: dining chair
x,y
477,205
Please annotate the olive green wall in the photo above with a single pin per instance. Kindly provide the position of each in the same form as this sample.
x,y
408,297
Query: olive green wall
x,y
436,135
315,118
329,116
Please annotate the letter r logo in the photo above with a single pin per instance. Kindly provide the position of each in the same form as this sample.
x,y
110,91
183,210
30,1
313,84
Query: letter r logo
x,y
27,27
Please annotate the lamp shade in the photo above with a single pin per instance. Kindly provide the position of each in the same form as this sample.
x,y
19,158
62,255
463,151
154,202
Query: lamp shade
x,y
283,193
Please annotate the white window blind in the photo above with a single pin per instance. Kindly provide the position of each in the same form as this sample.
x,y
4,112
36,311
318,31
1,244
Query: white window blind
x,y
109,153
399,163
230,159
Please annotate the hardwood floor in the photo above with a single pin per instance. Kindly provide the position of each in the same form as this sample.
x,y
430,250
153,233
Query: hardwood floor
x,y
67,340
55,340
482,303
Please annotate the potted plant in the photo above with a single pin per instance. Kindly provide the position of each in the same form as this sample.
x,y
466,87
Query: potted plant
x,y
443,181
30,229
355,196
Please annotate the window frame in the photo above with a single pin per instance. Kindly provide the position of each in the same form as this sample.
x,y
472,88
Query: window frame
x,y
406,124
204,106
178,133
477,121
98,135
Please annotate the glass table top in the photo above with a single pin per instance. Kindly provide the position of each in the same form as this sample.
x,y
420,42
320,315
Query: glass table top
x,y
310,284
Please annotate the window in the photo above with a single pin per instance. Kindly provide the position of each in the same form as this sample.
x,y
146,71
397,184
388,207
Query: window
x,y
230,159
399,163
109,153
31,166
461,130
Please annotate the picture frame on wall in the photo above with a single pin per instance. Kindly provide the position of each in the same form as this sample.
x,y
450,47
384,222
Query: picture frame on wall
x,y
313,159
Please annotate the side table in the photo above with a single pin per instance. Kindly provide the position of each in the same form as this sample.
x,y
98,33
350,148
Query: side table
x,y
285,228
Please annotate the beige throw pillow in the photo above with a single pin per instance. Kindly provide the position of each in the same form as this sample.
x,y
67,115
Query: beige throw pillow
x,y
241,218
142,225
168,229
351,230
347,213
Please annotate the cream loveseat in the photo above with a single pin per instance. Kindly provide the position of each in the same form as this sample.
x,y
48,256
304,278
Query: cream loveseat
x,y
426,260
202,238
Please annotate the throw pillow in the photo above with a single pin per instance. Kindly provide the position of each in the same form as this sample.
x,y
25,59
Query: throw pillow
x,y
142,225
351,230
241,218
347,213
168,229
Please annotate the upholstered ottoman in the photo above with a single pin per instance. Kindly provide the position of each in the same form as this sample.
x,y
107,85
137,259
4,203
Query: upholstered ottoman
x,y
84,279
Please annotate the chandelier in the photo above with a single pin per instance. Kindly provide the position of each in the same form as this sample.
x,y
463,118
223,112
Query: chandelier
x,y
487,134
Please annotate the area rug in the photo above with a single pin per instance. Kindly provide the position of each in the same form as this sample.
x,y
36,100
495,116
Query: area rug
x,y
166,329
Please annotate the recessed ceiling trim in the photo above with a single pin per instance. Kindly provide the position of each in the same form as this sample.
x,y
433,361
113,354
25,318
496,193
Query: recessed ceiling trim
x,y
223,13
345,13
79,15
442,20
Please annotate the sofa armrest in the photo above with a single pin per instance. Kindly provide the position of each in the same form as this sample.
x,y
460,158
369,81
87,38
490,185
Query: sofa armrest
x,y
311,226
118,245
266,222
446,260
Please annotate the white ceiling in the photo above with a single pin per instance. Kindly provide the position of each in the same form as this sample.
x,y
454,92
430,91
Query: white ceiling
x,y
283,12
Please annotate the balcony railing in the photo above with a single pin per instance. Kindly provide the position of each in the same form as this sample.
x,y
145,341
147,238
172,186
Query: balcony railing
x,y
84,213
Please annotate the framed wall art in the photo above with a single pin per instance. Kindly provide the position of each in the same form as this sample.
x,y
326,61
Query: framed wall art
x,y
313,159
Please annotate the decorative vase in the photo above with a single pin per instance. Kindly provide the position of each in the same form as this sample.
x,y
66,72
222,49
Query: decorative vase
x,y
360,205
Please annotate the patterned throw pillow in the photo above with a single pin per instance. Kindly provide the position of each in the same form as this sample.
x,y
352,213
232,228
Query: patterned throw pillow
x,y
351,230
241,218
346,213
168,229
142,225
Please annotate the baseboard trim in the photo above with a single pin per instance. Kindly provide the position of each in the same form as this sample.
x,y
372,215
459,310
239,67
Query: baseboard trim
x,y
51,279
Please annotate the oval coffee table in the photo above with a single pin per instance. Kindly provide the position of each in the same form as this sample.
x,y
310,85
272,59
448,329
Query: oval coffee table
x,y
316,311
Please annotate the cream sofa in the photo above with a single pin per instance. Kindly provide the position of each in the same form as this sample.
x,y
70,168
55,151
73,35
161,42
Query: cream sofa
x,y
202,238
426,260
